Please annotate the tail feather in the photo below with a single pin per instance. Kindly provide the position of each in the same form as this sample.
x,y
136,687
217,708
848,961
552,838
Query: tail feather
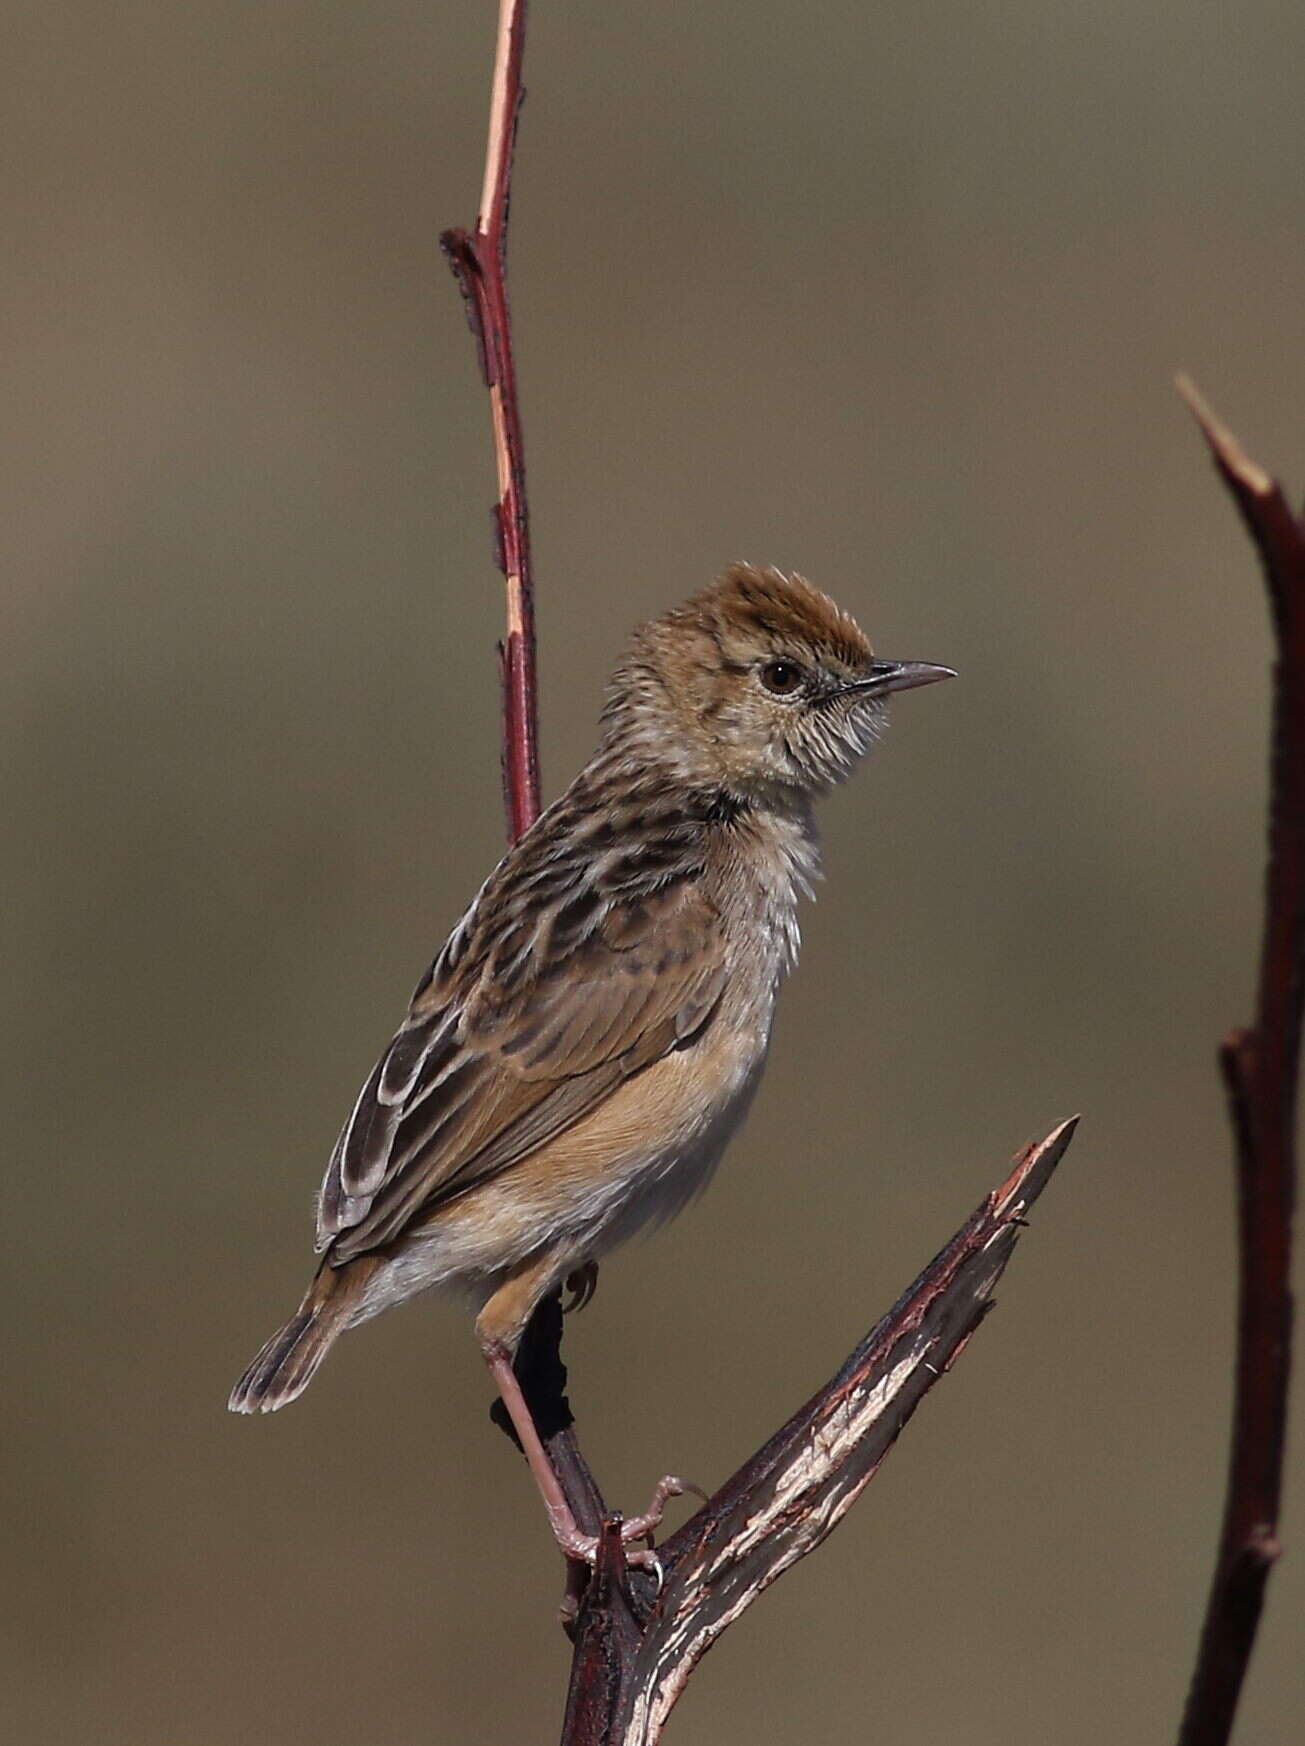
x,y
288,1362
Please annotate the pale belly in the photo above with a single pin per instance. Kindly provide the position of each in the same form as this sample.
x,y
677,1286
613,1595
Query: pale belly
x,y
633,1162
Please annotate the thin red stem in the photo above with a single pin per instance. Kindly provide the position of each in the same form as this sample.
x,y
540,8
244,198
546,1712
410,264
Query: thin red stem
x,y
479,260
1261,1070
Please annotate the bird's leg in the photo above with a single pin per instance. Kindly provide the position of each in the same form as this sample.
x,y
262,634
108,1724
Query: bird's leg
x,y
582,1283
566,1530
642,1527
575,1543
572,1539
499,1327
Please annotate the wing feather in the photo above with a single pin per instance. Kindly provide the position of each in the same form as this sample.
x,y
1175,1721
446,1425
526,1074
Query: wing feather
x,y
569,974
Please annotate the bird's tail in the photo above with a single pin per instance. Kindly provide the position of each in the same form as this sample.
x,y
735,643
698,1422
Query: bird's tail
x,y
288,1362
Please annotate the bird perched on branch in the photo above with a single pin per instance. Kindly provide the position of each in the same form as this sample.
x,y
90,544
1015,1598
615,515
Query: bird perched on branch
x,y
576,1059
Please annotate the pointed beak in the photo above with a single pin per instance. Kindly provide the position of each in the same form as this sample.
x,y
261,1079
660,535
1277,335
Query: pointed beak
x,y
886,676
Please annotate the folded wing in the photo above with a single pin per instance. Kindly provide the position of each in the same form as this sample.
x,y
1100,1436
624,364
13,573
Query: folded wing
x,y
552,993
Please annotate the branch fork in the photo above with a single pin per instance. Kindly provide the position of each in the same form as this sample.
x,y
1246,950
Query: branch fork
x,y
638,1641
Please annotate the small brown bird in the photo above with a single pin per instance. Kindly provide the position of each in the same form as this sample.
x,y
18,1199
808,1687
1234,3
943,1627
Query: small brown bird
x,y
579,1054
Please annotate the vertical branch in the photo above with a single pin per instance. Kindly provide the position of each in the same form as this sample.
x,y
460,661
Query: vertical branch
x,y
479,262
633,1651
1261,1069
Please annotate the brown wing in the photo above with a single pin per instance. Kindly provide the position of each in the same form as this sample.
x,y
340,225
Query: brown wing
x,y
569,974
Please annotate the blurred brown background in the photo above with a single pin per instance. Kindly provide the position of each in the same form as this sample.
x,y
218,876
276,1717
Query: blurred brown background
x,y
889,294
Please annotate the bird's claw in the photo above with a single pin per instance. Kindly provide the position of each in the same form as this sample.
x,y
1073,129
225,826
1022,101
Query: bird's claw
x,y
581,1283
642,1527
583,1549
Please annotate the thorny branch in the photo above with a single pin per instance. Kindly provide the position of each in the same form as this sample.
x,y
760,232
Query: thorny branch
x,y
635,1651
479,262
636,1642
1261,1070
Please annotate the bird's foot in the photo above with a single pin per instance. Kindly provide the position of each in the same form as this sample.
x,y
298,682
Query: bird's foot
x,y
643,1527
581,1283
582,1548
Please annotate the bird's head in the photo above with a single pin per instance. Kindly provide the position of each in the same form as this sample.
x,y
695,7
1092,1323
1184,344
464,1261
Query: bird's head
x,y
758,683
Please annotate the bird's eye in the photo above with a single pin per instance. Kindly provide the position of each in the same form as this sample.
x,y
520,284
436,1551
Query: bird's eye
x,y
782,678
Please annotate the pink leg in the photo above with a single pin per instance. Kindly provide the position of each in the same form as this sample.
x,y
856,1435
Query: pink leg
x,y
499,1327
641,1527
566,1530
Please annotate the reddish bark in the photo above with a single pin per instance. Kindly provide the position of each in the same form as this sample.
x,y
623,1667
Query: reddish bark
x,y
1261,1069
